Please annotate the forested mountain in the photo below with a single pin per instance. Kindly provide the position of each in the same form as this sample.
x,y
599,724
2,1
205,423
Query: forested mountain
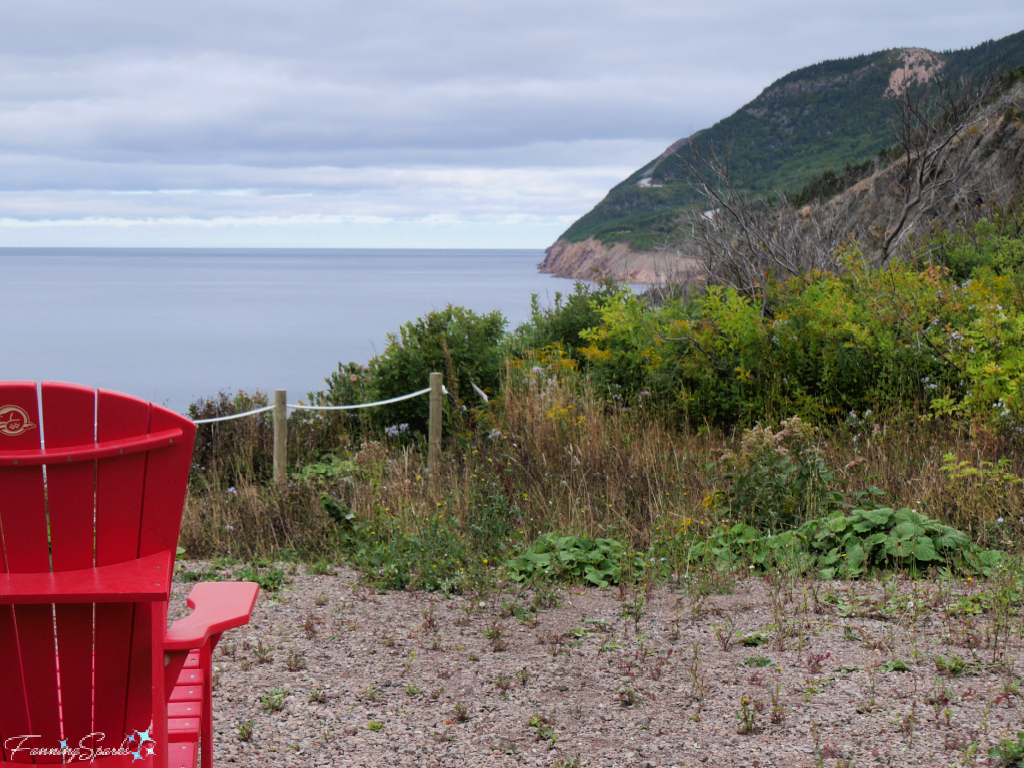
x,y
828,115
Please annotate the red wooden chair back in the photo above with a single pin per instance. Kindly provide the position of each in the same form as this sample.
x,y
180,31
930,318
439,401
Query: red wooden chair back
x,y
113,489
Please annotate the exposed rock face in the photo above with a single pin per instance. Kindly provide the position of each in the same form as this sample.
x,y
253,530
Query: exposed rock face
x,y
919,66
592,260
990,157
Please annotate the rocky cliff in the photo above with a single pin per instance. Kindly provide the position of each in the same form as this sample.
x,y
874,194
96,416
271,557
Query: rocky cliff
x,y
592,260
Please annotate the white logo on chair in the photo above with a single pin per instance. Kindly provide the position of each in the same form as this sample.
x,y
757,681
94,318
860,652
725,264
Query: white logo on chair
x,y
14,421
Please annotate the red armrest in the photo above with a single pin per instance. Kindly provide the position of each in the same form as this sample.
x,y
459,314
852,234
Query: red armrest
x,y
147,579
217,606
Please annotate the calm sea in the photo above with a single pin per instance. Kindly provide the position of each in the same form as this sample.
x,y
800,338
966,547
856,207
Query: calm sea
x,y
175,325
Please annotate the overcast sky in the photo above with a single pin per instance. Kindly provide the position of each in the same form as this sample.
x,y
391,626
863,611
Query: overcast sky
x,y
387,123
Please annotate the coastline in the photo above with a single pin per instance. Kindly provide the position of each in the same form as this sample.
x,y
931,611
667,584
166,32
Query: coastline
x,y
593,260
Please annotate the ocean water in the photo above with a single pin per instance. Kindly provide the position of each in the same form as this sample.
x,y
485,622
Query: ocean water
x,y
175,325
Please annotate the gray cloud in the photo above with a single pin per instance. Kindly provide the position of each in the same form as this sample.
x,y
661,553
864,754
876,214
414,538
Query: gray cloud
x,y
457,112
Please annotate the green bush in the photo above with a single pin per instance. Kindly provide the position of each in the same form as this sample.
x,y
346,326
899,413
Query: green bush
x,y
852,545
876,539
820,346
563,323
777,479
459,343
574,558
433,558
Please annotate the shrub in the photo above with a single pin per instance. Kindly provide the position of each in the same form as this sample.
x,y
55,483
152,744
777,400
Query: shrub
x,y
600,562
822,345
461,344
562,324
869,539
848,546
777,479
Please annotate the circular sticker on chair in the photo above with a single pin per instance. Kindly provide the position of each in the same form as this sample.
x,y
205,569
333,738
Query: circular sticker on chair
x,y
14,421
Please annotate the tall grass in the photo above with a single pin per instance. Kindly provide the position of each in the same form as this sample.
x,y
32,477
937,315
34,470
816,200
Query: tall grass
x,y
549,455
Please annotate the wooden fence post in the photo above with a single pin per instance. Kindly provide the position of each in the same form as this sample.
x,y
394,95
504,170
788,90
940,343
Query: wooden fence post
x,y
280,437
434,432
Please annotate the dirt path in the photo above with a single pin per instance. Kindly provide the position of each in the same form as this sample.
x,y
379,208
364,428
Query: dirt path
x,y
411,662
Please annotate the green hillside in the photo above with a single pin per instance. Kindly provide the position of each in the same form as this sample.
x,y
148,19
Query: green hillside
x,y
823,116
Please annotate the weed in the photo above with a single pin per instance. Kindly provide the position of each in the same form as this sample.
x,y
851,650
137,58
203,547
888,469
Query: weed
x,y
1010,751
908,723
229,649
758,661
460,713
269,578
503,682
545,597
374,726
815,661
412,690
295,662
322,599
523,676
429,619
778,709
724,633
634,609
954,666
263,653
436,693
496,637
310,626
273,699
318,695
753,640
627,697
747,715
544,726
245,731
696,675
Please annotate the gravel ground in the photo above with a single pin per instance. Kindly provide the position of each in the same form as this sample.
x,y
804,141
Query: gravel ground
x,y
412,679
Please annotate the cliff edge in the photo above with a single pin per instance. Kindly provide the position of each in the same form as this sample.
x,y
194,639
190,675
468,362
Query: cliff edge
x,y
593,260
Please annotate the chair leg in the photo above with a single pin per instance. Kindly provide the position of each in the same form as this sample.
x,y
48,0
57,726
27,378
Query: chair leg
x,y
206,724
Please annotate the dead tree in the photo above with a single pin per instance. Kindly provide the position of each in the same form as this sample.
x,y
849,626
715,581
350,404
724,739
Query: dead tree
x,y
744,241
933,126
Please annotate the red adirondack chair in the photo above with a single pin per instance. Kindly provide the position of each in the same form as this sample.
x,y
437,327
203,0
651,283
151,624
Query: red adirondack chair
x,y
89,530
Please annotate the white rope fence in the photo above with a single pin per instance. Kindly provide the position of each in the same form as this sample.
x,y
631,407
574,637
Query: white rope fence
x,y
233,416
436,390
301,407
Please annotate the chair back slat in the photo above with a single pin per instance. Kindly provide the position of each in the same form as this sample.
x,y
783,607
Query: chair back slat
x,y
13,704
120,483
78,515
26,550
69,413
23,503
14,435
166,485
69,420
162,504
